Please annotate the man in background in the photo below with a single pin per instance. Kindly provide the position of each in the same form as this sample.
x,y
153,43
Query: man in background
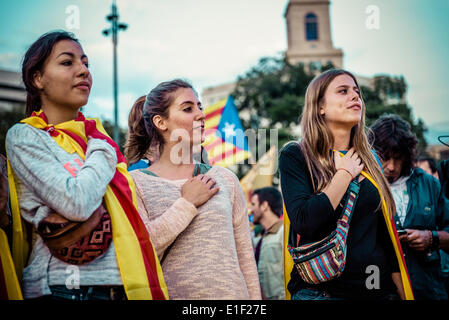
x,y
421,210
429,165
266,206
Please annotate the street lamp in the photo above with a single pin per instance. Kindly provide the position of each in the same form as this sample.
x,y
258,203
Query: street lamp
x,y
115,28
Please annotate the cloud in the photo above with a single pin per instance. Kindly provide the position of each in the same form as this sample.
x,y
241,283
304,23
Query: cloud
x,y
103,107
169,39
212,42
198,41
411,41
10,60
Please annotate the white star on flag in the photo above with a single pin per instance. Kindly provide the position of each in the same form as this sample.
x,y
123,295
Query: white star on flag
x,y
229,130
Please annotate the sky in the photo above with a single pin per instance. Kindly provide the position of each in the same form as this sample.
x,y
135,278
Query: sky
x,y
211,42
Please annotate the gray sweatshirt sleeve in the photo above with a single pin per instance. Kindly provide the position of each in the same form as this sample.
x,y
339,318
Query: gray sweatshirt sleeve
x,y
42,165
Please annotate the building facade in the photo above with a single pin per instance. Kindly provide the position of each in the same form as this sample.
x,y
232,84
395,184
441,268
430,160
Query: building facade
x,y
309,34
309,42
12,90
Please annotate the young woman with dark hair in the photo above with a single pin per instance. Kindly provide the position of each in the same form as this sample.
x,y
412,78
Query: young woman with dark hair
x,y
314,179
33,64
195,214
64,170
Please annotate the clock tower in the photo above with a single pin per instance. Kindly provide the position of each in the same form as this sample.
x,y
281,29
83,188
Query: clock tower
x,y
309,34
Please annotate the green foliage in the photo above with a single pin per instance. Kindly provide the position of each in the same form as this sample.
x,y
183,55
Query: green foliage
x,y
274,91
377,105
109,127
393,87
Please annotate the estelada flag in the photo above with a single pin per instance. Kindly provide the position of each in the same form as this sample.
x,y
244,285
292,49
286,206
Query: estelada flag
x,y
226,143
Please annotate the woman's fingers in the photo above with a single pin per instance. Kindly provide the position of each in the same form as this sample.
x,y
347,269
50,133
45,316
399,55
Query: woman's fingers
x,y
214,190
211,182
206,180
350,153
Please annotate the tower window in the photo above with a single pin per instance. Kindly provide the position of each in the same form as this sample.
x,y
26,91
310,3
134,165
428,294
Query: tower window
x,y
311,27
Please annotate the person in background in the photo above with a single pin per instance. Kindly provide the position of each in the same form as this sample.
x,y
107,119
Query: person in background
x,y
5,211
429,165
266,207
195,213
421,210
443,174
9,283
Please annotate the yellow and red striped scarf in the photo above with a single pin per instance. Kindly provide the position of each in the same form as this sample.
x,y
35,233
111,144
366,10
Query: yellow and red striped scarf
x,y
288,261
139,265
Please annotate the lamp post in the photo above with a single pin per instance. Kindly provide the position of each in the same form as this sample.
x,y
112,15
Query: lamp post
x,y
114,29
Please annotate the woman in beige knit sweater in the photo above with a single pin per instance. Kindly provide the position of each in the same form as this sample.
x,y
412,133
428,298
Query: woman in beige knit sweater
x,y
195,214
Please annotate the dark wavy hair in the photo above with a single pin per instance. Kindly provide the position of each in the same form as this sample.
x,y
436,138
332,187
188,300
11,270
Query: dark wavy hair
x,y
431,161
392,137
34,61
272,196
142,133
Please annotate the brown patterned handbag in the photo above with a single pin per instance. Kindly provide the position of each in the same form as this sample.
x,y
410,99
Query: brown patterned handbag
x,y
77,242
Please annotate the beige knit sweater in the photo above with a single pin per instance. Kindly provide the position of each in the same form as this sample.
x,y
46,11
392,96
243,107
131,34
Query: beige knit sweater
x,y
206,253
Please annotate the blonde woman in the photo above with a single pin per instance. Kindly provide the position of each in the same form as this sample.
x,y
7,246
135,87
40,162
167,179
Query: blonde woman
x,y
314,179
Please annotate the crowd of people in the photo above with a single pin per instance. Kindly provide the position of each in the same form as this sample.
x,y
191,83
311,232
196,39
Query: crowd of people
x,y
160,223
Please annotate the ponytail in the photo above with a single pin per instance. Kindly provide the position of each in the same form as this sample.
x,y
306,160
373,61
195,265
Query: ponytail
x,y
137,140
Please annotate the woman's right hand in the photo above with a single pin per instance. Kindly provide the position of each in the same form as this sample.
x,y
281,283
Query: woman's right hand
x,y
199,189
350,162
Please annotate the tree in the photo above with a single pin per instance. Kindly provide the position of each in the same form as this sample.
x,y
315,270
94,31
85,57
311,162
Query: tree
x,y
272,90
109,127
388,96
272,93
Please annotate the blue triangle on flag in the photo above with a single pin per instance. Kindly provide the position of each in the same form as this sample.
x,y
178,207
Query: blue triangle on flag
x,y
230,127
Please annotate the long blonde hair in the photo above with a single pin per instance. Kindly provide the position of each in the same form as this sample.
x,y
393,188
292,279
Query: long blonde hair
x,y
317,140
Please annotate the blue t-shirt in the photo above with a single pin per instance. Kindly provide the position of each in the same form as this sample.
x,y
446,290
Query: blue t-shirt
x,y
141,164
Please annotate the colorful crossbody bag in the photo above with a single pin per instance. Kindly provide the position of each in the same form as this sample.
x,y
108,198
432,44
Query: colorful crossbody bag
x,y
325,259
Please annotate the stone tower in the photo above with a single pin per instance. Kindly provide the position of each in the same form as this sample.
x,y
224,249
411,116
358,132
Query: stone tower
x,y
309,34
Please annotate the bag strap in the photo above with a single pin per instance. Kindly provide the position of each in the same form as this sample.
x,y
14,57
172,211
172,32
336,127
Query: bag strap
x,y
352,194
351,198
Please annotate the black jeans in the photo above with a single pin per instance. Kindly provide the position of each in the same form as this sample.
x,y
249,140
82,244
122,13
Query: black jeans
x,y
314,294
87,293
